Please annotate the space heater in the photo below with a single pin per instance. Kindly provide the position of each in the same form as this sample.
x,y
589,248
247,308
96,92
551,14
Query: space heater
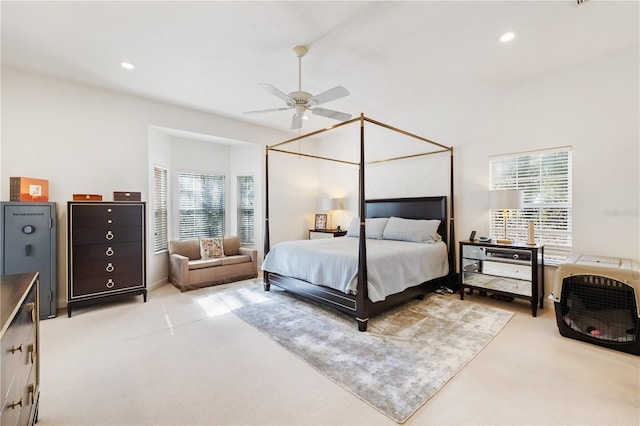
x,y
597,301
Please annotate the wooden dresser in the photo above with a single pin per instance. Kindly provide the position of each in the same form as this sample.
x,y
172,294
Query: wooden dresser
x,y
106,256
20,343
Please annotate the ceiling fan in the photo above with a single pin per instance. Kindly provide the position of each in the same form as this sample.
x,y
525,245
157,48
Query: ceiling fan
x,y
304,101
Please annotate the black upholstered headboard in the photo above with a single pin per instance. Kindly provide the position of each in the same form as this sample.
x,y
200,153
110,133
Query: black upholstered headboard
x,y
412,208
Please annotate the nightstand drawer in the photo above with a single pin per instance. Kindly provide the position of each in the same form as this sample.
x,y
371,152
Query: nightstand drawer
x,y
509,270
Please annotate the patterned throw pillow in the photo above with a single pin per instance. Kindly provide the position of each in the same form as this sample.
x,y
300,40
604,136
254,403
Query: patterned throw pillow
x,y
211,247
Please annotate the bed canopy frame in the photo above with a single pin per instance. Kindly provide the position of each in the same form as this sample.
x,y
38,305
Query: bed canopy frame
x,y
361,297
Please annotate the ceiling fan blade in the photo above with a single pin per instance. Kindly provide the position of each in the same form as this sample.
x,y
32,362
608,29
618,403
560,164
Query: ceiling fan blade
x,y
260,111
329,113
271,89
330,95
296,122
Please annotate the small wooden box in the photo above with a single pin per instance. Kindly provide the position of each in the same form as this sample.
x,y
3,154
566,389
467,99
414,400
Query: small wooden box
x,y
126,196
87,197
28,189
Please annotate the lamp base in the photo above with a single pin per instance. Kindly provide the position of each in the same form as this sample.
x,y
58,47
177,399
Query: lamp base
x,y
504,241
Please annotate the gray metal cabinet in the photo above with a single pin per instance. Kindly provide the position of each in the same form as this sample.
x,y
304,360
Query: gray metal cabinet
x,y
29,241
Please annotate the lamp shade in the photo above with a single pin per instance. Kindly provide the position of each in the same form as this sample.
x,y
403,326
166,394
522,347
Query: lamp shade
x,y
505,199
327,204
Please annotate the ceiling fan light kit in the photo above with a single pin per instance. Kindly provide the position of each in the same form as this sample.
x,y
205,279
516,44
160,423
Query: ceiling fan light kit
x,y
301,101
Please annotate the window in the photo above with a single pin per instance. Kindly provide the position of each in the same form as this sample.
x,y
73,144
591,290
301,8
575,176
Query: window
x,y
245,209
160,208
545,177
201,205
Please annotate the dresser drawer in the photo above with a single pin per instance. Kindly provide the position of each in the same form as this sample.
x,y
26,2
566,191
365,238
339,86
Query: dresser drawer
x,y
107,251
11,412
97,210
102,235
107,268
82,220
103,285
21,395
30,390
16,340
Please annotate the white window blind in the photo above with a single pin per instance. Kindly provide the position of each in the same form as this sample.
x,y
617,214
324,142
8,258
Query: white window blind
x,y
245,209
201,205
160,208
545,178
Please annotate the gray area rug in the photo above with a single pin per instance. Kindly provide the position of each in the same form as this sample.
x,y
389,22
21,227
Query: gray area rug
x,y
403,359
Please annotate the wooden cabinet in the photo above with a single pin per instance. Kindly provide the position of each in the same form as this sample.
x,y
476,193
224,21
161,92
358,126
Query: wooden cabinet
x,y
106,251
511,270
20,344
315,234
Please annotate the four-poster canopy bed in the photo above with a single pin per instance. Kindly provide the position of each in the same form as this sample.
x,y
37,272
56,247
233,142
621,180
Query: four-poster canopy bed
x,y
354,297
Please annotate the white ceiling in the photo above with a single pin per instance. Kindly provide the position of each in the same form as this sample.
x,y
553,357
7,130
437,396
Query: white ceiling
x,y
395,58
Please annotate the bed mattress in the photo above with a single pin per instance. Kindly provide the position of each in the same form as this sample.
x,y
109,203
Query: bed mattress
x,y
392,266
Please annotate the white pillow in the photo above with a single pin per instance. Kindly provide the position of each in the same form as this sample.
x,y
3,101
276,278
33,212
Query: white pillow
x,y
414,230
374,227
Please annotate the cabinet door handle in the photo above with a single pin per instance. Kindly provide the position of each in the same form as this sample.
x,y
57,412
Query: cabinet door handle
x,y
110,267
32,393
110,283
109,252
32,353
31,307
15,349
109,235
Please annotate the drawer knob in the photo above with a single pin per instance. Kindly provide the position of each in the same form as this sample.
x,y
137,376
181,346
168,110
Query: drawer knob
x,y
109,267
110,283
109,252
109,221
109,235
15,349
15,404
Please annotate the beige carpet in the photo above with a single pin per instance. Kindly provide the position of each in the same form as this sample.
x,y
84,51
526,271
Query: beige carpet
x,y
407,355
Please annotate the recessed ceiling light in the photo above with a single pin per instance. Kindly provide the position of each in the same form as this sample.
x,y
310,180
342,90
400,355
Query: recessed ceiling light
x,y
127,65
508,36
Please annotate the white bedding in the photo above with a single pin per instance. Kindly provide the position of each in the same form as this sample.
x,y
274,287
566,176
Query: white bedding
x,y
392,266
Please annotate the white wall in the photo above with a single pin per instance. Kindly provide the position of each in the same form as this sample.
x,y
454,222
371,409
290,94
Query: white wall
x,y
592,106
88,140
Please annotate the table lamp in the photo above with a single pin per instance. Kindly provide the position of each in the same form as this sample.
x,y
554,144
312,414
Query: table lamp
x,y
330,204
506,199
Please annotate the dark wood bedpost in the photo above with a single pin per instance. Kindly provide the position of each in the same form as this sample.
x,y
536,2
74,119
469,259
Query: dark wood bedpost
x,y
362,316
452,231
267,245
